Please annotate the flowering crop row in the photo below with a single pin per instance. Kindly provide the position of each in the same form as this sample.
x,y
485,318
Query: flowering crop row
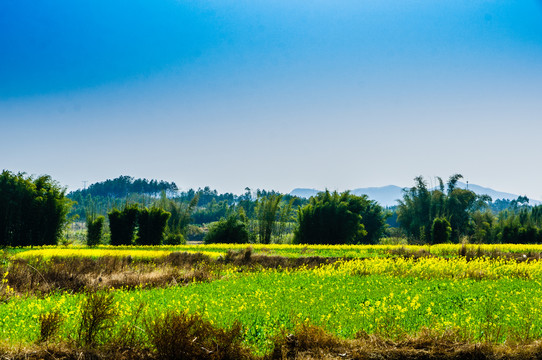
x,y
136,253
391,297
346,251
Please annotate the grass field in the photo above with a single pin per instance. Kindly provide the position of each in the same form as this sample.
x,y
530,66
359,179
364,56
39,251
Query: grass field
x,y
393,293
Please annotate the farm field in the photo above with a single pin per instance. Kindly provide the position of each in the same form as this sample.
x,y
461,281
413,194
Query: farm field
x,y
342,251
488,295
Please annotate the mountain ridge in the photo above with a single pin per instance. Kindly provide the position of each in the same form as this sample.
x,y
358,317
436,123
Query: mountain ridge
x,y
389,194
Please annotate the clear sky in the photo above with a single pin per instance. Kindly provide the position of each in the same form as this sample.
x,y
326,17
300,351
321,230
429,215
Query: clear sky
x,y
273,94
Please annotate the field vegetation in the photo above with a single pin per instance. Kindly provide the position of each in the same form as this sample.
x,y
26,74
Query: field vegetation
x,y
265,275
254,303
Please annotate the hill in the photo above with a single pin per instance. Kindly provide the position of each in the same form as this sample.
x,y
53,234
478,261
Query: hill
x,y
388,195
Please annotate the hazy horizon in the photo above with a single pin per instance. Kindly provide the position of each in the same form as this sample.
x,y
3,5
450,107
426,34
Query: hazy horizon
x,y
273,94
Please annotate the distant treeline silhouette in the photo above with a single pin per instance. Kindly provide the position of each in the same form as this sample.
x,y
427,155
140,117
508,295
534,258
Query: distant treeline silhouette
x,y
125,185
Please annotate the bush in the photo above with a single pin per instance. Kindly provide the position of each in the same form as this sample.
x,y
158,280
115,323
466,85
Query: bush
x,y
229,231
94,230
185,336
97,315
175,239
49,325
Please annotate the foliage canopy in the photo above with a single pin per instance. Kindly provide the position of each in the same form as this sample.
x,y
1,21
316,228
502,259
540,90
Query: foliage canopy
x,y
333,218
227,231
420,207
33,211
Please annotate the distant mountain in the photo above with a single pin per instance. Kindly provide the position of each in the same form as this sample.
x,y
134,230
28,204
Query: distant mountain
x,y
304,193
480,190
388,195
385,195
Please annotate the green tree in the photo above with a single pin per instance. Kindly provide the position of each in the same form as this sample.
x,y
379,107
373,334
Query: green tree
x,y
267,210
227,231
33,211
461,204
414,212
373,218
247,203
122,225
482,227
94,230
285,218
528,235
331,218
420,206
180,218
152,225
440,231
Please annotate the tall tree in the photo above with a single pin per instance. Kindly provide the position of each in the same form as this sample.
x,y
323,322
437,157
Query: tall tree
x,y
330,218
414,212
33,211
228,231
420,206
267,210
180,215
152,226
122,225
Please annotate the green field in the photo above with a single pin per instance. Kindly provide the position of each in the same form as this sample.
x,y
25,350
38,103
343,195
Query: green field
x,y
484,299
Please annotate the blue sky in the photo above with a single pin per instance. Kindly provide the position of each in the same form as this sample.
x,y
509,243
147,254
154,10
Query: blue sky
x,y
273,94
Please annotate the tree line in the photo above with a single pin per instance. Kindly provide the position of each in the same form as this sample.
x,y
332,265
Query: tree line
x,y
124,186
329,218
35,210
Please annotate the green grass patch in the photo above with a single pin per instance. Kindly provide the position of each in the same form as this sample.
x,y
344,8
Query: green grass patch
x,y
266,302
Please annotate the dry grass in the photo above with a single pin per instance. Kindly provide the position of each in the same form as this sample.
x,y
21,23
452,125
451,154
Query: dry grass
x,y
309,342
247,259
469,252
68,352
78,274
408,253
183,336
189,336
97,316
49,325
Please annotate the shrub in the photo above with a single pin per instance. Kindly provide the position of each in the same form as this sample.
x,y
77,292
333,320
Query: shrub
x,y
49,325
195,233
189,336
127,335
174,239
94,230
227,231
97,315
